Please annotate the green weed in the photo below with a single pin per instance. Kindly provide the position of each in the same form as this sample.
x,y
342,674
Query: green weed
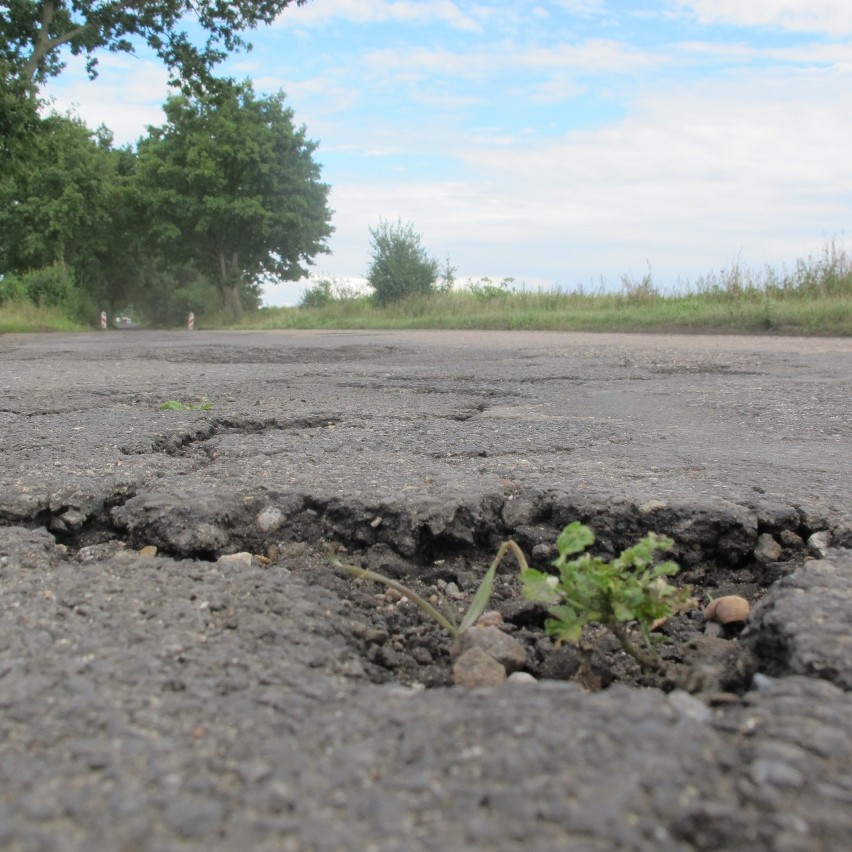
x,y
630,588
203,404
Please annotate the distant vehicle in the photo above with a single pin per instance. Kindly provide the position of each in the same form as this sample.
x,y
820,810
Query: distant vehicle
x,y
126,319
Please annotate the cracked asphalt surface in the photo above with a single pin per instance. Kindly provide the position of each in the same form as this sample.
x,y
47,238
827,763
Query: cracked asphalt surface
x,y
182,702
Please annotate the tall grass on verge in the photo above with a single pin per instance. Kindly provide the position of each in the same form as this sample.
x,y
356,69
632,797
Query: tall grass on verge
x,y
814,298
21,315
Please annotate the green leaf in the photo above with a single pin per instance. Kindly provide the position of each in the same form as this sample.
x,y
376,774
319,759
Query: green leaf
x,y
575,538
565,625
480,599
540,587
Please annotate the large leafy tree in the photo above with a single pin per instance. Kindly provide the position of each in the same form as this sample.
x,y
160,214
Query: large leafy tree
x,y
33,32
230,185
57,196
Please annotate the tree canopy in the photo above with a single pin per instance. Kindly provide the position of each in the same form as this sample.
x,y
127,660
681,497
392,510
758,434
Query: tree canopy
x,y
230,185
33,31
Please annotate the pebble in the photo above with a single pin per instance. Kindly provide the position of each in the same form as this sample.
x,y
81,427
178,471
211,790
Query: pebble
x,y
767,550
269,519
474,668
235,560
689,706
498,645
491,618
521,677
148,551
453,591
819,543
791,540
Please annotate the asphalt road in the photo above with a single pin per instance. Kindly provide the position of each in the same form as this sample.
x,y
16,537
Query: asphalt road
x,y
173,702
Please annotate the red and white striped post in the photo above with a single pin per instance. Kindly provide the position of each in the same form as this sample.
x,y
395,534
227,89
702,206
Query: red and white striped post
x,y
190,322
103,320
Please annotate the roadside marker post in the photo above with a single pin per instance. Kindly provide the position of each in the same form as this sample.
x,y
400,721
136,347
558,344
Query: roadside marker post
x,y
190,323
103,320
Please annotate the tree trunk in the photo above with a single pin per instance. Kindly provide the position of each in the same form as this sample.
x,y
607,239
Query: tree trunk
x,y
230,278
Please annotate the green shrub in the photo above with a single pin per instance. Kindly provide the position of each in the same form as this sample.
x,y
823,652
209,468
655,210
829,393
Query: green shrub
x,y
400,266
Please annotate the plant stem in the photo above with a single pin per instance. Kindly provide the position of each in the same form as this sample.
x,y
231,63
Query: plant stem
x,y
423,604
647,660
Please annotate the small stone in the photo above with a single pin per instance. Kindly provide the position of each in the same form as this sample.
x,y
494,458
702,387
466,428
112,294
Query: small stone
x,y
541,551
453,591
819,543
521,677
148,551
376,522
73,519
650,506
491,618
235,560
762,682
791,540
767,550
690,707
474,668
498,645
376,636
94,552
729,609
269,519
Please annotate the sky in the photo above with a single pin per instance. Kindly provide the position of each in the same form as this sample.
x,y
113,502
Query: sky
x,y
556,143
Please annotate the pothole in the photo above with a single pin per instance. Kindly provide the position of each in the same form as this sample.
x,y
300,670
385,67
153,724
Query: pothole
x,y
442,551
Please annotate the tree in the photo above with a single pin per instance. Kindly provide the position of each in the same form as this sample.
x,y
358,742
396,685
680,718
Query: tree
x,y
58,200
32,32
400,265
230,185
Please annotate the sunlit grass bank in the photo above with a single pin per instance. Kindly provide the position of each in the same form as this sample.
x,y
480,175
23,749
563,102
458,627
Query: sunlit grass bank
x,y
815,298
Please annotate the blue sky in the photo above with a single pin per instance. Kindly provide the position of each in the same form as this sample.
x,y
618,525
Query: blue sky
x,y
557,143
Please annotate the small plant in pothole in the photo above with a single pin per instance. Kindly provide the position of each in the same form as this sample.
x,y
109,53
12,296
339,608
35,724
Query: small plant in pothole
x,y
630,588
445,618
203,404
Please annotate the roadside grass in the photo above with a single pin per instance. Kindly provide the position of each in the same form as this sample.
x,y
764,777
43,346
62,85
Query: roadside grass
x,y
20,316
815,298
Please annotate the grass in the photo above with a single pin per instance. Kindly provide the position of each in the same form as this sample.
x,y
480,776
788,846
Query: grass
x,y
23,316
815,298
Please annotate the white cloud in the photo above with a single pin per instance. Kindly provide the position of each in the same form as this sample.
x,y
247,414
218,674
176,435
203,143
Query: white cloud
x,y
380,11
694,175
831,17
598,56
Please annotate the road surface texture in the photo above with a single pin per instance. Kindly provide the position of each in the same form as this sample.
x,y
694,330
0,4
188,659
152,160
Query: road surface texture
x,y
184,701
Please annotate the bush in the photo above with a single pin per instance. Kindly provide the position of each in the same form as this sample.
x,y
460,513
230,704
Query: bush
x,y
318,296
400,266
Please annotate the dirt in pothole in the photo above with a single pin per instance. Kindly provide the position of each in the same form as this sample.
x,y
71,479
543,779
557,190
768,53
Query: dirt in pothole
x,y
399,642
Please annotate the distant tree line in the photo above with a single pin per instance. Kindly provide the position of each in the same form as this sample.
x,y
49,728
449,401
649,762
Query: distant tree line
x,y
223,195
